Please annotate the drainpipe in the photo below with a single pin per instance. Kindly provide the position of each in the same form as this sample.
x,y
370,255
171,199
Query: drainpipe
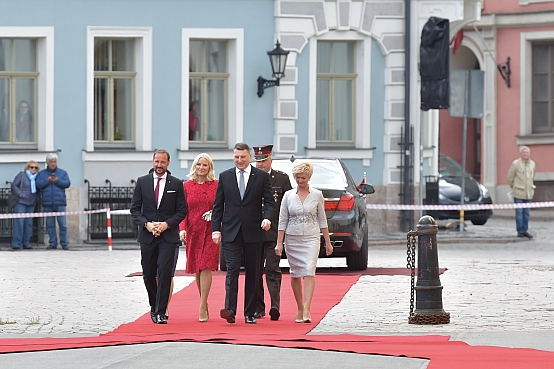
x,y
406,190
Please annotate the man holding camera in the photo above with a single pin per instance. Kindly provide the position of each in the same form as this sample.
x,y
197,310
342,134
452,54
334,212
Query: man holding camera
x,y
53,181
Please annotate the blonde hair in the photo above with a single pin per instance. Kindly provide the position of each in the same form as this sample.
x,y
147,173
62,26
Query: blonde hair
x,y
302,167
31,162
211,174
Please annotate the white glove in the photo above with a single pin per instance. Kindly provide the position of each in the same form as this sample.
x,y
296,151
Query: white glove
x,y
266,224
207,216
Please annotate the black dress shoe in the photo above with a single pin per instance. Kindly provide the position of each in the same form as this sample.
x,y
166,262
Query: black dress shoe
x,y
153,317
228,315
161,319
259,315
520,235
249,320
528,235
274,314
51,247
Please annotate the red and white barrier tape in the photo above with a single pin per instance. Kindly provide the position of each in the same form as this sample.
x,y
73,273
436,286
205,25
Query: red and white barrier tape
x,y
465,207
109,213
49,214
545,204
61,213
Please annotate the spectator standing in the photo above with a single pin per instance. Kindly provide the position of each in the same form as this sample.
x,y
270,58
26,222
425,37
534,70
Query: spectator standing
x,y
24,123
24,186
53,181
520,178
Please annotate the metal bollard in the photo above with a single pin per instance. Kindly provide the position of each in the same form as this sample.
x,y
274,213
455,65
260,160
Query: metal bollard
x,y
428,288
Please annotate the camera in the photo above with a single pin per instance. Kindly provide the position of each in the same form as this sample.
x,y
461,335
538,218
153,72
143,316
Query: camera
x,y
53,174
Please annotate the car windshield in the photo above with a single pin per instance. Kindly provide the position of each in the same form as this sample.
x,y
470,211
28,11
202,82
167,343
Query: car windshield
x,y
450,168
327,173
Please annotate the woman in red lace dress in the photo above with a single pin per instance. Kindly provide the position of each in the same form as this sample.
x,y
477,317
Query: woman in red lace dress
x,y
196,228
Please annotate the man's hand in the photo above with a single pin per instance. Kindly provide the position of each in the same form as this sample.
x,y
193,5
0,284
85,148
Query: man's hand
x,y
266,224
216,237
157,228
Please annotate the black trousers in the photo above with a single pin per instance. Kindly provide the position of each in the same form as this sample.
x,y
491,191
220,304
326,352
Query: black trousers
x,y
273,276
233,252
158,259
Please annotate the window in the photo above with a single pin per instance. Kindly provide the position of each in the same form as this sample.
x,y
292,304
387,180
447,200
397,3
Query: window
x,y
543,88
212,76
208,80
18,91
336,86
114,92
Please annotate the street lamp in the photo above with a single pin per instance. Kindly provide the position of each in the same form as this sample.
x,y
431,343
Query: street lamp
x,y
278,60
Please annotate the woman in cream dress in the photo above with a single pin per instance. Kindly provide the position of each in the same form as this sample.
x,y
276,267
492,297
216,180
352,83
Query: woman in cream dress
x,y
302,218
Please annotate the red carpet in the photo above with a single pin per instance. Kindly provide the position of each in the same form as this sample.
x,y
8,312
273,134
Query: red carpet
x,y
184,326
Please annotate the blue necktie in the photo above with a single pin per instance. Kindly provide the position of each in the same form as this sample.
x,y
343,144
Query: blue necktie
x,y
241,184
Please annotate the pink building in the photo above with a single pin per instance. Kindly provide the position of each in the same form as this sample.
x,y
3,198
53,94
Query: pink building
x,y
515,36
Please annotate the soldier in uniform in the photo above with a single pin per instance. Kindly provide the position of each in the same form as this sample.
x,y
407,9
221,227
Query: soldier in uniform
x,y
280,183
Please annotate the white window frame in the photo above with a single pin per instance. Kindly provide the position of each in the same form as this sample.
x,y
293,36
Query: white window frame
x,y
526,135
363,87
143,82
45,89
235,100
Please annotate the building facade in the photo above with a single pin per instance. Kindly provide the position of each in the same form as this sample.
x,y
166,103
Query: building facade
x,y
108,82
515,37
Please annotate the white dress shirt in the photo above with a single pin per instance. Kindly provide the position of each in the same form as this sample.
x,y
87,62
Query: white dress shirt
x,y
161,188
247,171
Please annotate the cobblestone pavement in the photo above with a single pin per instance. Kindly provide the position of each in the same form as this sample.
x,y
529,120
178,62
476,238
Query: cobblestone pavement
x,y
493,291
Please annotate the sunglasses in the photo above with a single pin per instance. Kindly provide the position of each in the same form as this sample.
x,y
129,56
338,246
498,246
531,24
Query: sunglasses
x,y
32,167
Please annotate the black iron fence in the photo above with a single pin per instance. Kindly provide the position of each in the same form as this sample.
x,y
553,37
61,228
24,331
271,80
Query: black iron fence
x,y
6,225
115,198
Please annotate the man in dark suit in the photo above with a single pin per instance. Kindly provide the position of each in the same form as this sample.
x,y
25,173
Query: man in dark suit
x,y
158,206
280,183
239,222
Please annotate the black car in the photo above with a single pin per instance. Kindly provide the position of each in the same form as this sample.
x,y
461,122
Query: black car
x,y
450,190
345,208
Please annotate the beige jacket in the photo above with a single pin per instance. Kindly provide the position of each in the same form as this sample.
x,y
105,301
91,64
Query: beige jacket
x,y
520,178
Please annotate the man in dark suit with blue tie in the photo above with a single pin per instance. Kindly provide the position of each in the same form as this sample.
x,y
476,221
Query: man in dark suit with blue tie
x,y
158,206
239,222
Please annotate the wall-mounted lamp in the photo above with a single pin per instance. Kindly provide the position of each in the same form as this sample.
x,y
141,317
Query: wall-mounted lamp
x,y
505,72
278,59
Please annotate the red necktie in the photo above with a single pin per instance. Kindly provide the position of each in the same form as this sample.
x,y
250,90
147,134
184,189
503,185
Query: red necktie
x,y
157,191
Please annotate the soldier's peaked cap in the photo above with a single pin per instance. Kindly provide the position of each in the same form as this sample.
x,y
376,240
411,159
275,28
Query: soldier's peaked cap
x,y
262,152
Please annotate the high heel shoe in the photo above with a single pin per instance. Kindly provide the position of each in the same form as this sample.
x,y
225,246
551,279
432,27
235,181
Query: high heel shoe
x,y
299,320
203,320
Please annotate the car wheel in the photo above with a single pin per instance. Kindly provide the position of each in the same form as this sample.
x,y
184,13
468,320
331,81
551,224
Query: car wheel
x,y
357,260
479,221
222,263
